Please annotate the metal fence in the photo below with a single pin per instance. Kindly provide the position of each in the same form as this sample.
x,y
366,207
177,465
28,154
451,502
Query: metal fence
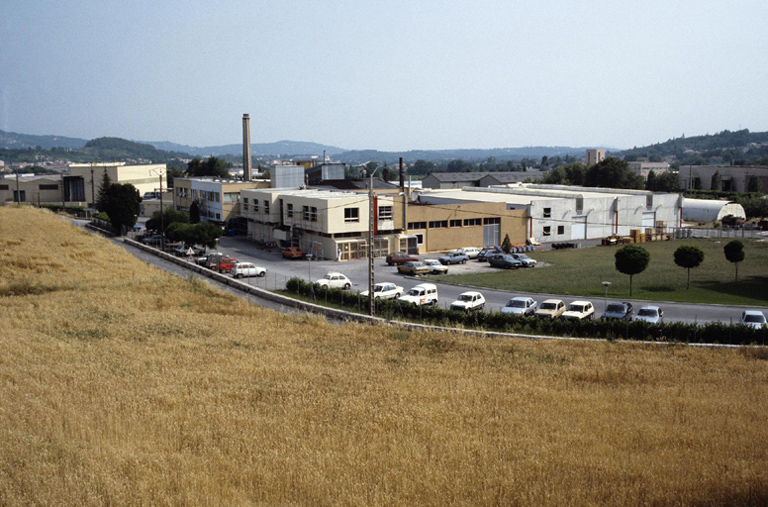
x,y
720,232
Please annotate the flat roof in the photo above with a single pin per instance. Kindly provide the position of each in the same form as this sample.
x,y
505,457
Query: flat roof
x,y
525,193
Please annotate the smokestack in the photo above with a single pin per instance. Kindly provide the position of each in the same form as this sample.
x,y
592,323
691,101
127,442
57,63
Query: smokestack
x,y
402,176
246,147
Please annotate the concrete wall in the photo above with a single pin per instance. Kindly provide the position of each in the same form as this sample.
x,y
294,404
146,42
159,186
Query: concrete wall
x,y
735,178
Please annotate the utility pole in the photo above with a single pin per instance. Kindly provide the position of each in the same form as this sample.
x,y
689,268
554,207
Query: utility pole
x,y
18,193
93,194
161,173
370,244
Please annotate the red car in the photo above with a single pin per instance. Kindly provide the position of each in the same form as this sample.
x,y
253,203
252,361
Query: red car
x,y
293,252
400,258
226,264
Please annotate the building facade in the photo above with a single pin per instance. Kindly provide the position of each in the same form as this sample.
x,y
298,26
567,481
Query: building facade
x,y
218,199
82,182
734,178
595,156
43,189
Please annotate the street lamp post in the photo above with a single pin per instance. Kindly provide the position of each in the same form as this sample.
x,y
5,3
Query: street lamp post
x,y
370,243
606,284
161,172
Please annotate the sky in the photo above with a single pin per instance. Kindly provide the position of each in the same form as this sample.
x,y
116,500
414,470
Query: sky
x,y
386,75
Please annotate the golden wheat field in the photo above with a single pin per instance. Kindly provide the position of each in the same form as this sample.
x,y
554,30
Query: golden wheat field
x,y
123,385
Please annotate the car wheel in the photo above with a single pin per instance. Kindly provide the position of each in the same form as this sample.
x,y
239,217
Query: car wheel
x,y
391,263
263,273
347,286
463,261
239,275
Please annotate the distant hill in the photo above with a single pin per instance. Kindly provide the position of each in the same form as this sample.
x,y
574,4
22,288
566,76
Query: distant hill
x,y
279,148
741,147
12,140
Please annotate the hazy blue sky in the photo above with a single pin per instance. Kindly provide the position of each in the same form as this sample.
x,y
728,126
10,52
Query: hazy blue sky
x,y
388,75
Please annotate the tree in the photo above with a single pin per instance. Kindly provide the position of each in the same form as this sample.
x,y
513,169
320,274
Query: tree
x,y
754,184
101,197
667,181
734,252
506,245
717,181
122,206
650,183
632,260
171,173
194,212
689,256
211,166
169,215
613,173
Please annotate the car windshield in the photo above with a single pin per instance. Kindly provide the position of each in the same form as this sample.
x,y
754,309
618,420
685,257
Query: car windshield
x,y
575,308
378,288
548,306
646,312
615,308
516,304
328,277
431,262
415,292
465,297
754,318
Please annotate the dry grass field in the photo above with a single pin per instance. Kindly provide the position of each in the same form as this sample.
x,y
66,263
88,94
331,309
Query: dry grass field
x,y
122,385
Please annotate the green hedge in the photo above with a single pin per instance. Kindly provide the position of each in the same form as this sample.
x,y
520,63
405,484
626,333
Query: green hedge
x,y
711,332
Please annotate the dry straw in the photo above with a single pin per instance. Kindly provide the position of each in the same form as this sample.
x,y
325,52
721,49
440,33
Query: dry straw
x,y
123,385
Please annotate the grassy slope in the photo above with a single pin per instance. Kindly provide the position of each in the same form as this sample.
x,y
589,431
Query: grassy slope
x,y
580,273
120,384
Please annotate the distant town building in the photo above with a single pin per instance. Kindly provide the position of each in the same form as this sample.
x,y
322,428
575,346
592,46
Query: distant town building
x,y
734,178
644,168
218,199
478,179
595,156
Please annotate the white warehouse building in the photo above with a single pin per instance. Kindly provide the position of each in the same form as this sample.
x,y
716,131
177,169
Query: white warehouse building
x,y
711,210
571,213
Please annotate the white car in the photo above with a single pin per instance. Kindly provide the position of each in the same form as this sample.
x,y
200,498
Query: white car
x,y
551,309
386,290
334,281
753,318
579,310
527,261
471,251
241,269
435,268
520,306
468,302
651,314
422,294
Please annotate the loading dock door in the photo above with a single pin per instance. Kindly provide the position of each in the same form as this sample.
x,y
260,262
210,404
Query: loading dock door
x,y
491,235
579,228
649,220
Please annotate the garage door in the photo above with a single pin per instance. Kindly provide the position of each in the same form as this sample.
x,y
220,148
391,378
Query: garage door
x,y
649,219
579,228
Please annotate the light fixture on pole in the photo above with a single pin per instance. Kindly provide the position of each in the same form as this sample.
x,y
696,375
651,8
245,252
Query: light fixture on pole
x,y
606,284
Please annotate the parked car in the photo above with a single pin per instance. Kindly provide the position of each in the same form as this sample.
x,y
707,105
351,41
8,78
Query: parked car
x,y
486,252
527,261
422,294
243,269
505,261
618,311
468,302
335,281
413,268
520,306
753,318
435,268
212,260
385,290
400,258
454,257
579,310
293,252
550,309
471,251
226,264
652,314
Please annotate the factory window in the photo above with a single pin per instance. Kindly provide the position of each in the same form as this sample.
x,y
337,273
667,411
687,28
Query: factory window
x,y
305,213
49,187
560,230
417,225
351,214
491,221
438,224
547,230
256,205
649,201
245,203
419,239
385,212
289,210
579,204
4,187
473,221
266,207
313,214
547,213
455,223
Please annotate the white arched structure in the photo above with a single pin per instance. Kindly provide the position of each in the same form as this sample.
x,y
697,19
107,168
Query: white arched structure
x,y
710,210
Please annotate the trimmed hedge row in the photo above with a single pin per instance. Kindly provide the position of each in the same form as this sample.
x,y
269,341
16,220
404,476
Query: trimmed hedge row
x,y
711,332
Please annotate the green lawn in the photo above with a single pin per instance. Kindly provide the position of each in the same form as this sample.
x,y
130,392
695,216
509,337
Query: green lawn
x,y
580,273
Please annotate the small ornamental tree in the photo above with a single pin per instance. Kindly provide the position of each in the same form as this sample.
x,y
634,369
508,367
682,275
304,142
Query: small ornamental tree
x,y
631,260
717,181
754,184
122,206
689,256
194,212
506,245
734,252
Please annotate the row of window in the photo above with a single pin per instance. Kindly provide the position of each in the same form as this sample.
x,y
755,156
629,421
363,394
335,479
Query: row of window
x,y
547,230
467,222
40,187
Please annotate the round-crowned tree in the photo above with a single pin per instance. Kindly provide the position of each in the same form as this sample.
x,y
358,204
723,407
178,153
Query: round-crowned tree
x,y
631,260
689,256
734,252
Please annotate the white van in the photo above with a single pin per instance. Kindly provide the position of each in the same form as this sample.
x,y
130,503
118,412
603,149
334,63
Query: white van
x,y
242,269
422,294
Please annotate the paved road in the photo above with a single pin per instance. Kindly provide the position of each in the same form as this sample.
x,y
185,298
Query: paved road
x,y
280,270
